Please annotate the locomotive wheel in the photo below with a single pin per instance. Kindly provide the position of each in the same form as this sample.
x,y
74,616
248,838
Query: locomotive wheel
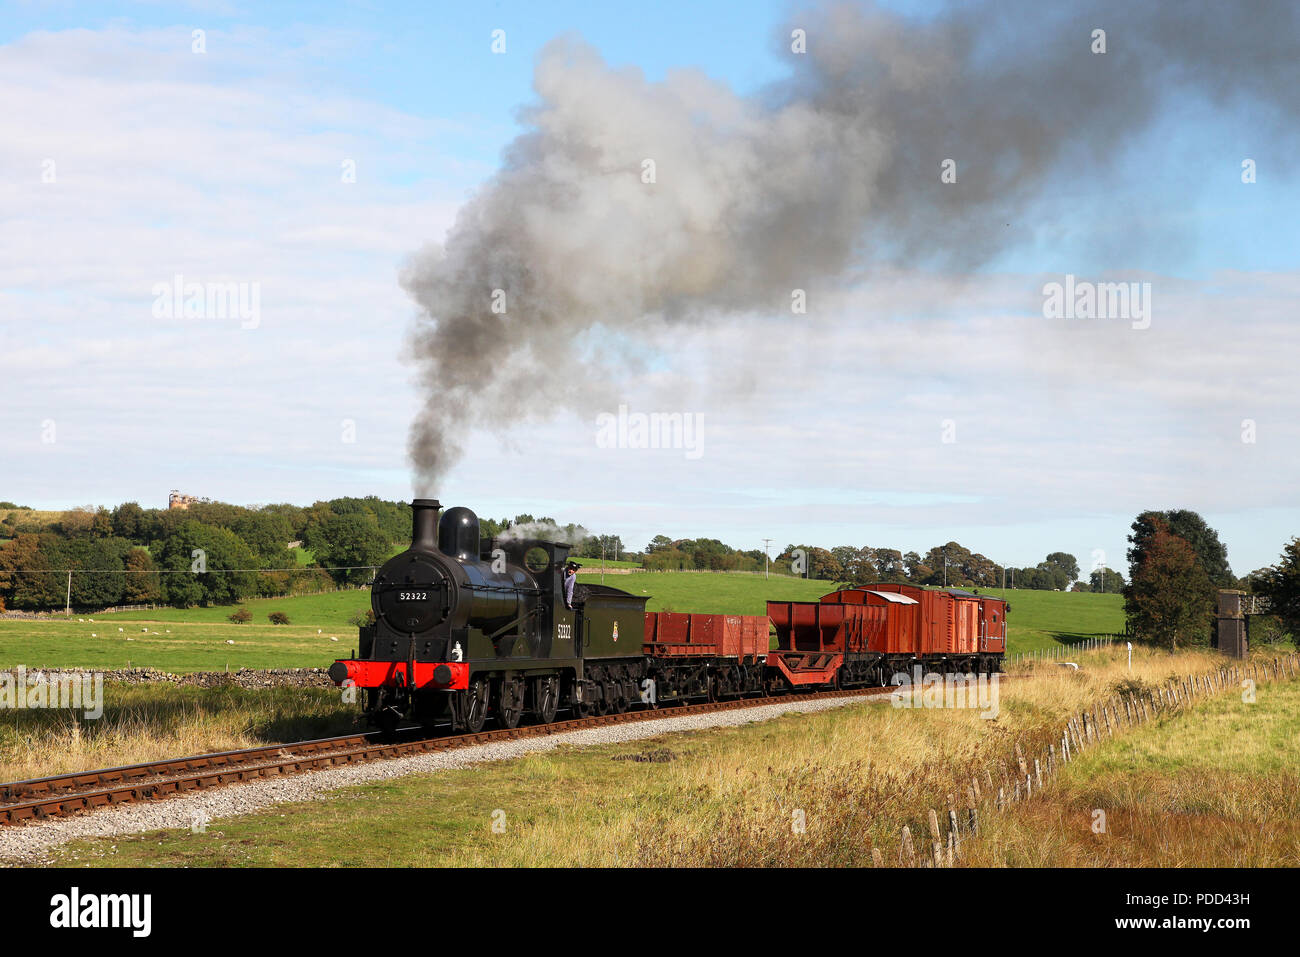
x,y
605,705
619,702
546,698
474,706
510,703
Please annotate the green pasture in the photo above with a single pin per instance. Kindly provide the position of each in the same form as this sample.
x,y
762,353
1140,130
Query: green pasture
x,y
202,639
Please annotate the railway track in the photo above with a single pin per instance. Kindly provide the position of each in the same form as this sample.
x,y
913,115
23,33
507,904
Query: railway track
x,y
65,794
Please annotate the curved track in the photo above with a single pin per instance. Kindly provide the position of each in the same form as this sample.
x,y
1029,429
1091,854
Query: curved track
x,y
60,795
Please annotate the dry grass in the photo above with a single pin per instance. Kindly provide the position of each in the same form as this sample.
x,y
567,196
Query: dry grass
x,y
851,777
1216,786
856,774
152,722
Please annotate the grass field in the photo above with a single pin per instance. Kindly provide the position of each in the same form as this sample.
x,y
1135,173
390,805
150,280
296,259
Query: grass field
x,y
198,639
1046,619
714,591
31,516
724,797
1216,788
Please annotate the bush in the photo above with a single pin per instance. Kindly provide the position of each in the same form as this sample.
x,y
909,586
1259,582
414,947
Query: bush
x,y
1131,686
241,616
362,618
278,618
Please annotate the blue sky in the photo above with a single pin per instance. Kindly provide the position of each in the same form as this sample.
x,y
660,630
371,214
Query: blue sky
x,y
226,168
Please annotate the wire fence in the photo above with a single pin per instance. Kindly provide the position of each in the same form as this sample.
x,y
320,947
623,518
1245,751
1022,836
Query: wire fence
x,y
1066,652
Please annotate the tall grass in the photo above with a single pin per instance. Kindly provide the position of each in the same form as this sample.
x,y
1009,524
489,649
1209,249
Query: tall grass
x,y
826,789
153,722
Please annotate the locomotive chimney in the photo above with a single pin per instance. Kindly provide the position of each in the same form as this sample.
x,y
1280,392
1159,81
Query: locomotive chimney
x,y
424,523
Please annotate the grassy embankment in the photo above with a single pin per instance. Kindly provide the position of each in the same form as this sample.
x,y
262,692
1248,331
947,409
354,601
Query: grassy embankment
x,y
1216,787
854,776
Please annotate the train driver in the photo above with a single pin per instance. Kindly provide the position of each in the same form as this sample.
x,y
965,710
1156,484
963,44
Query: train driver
x,y
570,579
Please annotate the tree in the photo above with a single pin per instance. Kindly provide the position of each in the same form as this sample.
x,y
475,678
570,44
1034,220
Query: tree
x,y
142,585
601,546
658,542
889,565
859,564
1170,596
668,558
1280,585
128,522
822,564
77,522
1051,577
24,581
220,574
101,581
1066,563
347,544
1106,580
1190,527
268,535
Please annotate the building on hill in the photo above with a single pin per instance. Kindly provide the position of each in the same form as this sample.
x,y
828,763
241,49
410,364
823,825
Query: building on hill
x,y
177,500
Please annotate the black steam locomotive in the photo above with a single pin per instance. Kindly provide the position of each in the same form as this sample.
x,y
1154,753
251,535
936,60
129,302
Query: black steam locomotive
x,y
466,626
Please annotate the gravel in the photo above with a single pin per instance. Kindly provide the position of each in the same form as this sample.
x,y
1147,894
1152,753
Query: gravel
x,y
31,843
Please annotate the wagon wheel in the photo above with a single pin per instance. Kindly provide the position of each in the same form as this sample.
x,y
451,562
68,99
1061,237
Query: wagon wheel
x,y
546,698
474,706
510,704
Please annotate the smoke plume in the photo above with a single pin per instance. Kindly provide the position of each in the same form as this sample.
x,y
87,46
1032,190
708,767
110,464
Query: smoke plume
x,y
627,203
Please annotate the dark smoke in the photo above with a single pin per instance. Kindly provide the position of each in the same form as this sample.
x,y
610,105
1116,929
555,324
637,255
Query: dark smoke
x,y
832,169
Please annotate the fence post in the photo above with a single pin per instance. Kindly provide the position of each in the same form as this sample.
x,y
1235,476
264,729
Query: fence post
x,y
936,838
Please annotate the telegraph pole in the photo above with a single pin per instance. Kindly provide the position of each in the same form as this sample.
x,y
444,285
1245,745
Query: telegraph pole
x,y
68,609
767,543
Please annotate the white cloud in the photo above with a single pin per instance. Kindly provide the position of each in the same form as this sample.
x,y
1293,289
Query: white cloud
x,y
823,428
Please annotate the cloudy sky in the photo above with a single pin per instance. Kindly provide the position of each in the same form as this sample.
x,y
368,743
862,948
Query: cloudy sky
x,y
311,154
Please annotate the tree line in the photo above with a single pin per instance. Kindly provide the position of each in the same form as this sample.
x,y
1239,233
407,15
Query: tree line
x,y
215,553
950,564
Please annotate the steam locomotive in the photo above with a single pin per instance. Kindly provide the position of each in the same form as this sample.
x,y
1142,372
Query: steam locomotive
x,y
466,628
